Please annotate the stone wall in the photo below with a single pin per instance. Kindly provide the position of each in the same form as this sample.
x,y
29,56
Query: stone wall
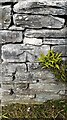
x,y
27,28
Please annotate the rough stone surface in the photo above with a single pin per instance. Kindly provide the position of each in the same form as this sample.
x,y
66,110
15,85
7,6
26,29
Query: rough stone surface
x,y
38,21
10,36
46,33
5,17
28,28
22,52
3,1
54,41
33,41
37,8
28,3
16,28
60,49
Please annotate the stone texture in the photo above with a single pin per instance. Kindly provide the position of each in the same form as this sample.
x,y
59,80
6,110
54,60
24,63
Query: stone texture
x,y
34,76
46,33
3,1
60,49
10,36
8,71
43,97
22,52
38,21
47,87
20,47
28,3
37,8
33,41
13,27
54,41
5,17
0,16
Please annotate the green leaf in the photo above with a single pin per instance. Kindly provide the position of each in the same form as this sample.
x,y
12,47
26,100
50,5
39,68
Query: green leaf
x,y
57,66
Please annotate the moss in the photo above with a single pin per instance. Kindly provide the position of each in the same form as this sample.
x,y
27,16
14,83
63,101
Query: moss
x,y
51,109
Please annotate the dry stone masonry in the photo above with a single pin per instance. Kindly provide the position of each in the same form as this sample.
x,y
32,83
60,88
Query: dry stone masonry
x,y
27,28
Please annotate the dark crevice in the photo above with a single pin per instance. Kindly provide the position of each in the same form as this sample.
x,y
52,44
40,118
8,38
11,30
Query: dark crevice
x,y
12,43
6,3
11,91
26,67
46,28
12,23
13,75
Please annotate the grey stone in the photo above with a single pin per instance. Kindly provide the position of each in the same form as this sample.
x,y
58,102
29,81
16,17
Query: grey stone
x,y
52,87
21,52
62,92
37,8
54,41
8,70
64,59
5,17
46,33
38,21
13,53
60,49
0,16
13,27
3,1
33,41
43,97
10,36
29,3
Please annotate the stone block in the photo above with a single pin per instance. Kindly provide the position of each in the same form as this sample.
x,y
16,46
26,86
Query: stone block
x,y
8,71
34,75
33,41
38,21
10,36
13,27
22,52
46,87
37,8
32,33
43,97
13,53
5,16
60,49
28,3
54,41
4,1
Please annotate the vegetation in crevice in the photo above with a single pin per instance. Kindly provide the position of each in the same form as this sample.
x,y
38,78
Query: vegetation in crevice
x,y
54,62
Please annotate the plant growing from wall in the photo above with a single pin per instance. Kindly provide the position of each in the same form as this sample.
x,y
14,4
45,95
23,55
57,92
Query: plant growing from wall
x,y
53,61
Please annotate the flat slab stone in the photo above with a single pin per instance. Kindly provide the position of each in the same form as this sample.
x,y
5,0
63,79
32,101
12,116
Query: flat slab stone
x,y
37,8
38,21
46,33
10,36
32,41
55,41
28,3
3,1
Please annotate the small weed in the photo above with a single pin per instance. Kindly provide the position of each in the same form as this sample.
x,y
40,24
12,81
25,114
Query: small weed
x,y
53,61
